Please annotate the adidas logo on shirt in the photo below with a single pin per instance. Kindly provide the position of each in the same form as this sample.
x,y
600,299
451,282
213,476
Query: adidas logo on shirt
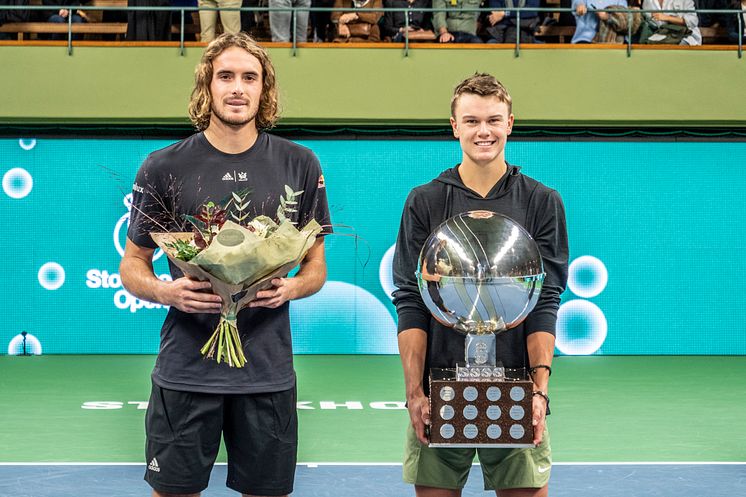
x,y
228,177
153,466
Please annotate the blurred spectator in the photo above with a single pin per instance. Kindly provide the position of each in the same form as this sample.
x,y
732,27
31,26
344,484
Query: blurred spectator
x,y
281,22
322,28
248,17
586,21
452,24
13,16
614,27
502,26
188,20
148,25
357,25
667,28
735,33
727,21
395,23
208,20
112,16
60,15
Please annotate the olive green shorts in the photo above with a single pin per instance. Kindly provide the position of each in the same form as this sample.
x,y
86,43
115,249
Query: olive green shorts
x,y
502,468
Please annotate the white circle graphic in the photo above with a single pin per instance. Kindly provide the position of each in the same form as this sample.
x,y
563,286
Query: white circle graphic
x,y
51,276
19,346
17,183
26,144
587,276
581,328
386,272
124,222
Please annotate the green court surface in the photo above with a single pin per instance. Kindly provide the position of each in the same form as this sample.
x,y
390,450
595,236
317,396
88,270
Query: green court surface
x,y
608,409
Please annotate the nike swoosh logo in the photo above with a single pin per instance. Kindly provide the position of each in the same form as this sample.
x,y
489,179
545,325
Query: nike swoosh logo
x,y
543,470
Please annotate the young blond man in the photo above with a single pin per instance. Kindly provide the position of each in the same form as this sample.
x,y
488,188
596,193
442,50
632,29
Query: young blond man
x,y
194,401
482,120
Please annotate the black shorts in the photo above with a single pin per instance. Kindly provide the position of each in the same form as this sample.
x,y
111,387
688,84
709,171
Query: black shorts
x,y
183,437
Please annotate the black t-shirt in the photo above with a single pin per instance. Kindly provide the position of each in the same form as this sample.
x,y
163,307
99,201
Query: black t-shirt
x,y
178,180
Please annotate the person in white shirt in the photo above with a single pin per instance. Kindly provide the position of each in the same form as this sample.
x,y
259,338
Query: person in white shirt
x,y
689,20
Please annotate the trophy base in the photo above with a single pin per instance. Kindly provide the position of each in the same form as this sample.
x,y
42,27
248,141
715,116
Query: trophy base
x,y
484,412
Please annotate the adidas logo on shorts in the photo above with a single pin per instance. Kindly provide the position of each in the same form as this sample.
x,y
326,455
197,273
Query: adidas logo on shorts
x,y
153,466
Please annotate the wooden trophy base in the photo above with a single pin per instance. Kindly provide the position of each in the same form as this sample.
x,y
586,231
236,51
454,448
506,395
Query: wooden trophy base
x,y
479,413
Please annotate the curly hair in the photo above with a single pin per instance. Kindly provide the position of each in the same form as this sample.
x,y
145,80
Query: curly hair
x,y
484,85
200,104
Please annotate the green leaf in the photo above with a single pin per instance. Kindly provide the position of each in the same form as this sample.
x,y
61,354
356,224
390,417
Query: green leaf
x,y
196,222
288,191
237,198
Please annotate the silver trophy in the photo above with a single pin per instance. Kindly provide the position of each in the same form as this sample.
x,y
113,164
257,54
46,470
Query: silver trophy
x,y
480,273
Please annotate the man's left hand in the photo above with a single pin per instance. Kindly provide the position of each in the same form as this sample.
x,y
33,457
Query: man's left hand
x,y
347,18
539,420
282,290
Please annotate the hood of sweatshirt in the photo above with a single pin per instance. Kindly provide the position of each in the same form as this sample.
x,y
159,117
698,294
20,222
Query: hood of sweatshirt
x,y
502,187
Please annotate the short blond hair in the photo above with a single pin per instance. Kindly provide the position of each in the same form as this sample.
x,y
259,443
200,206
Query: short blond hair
x,y
484,85
200,104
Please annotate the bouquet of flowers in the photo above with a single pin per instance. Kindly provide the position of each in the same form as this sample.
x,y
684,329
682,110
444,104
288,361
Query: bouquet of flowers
x,y
239,258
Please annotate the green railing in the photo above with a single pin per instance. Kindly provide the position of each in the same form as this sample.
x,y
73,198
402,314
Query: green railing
x,y
294,10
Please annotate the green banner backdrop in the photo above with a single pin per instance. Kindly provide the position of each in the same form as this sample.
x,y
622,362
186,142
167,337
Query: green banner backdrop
x,y
656,237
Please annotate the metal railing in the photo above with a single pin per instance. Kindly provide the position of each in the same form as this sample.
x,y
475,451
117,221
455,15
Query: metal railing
x,y
294,10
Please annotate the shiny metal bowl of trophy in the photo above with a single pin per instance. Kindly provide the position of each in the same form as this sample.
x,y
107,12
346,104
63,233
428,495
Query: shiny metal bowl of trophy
x,y
480,272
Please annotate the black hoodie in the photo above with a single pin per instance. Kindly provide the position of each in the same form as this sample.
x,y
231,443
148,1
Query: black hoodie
x,y
534,206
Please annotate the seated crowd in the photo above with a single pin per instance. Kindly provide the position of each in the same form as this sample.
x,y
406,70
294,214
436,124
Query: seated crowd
x,y
361,21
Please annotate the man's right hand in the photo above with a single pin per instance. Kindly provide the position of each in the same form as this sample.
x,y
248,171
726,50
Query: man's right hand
x,y
191,296
496,17
446,37
343,31
419,415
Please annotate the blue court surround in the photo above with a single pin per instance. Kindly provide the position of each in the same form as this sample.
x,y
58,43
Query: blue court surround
x,y
327,480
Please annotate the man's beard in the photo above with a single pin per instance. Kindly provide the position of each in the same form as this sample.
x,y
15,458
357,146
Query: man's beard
x,y
233,121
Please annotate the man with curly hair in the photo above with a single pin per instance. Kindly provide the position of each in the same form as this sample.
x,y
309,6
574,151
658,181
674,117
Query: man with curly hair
x,y
193,402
